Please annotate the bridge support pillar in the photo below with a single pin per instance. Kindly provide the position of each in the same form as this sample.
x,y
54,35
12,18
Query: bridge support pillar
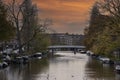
x,y
75,51
52,52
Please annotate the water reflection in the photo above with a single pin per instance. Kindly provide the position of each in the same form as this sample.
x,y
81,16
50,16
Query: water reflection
x,y
67,66
24,72
95,70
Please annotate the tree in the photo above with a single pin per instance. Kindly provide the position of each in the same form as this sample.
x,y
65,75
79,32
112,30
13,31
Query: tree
x,y
40,42
103,33
15,15
30,15
112,8
6,27
96,26
24,16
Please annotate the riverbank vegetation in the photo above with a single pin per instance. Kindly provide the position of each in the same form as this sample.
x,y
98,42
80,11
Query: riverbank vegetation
x,y
103,33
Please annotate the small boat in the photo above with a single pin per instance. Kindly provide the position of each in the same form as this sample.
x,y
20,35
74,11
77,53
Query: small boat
x,y
25,59
18,60
82,52
36,55
3,65
117,67
106,60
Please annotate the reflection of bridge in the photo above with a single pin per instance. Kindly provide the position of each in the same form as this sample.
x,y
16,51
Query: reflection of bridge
x,y
65,47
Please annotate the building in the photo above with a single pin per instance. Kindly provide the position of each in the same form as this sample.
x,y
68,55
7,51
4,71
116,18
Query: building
x,y
66,39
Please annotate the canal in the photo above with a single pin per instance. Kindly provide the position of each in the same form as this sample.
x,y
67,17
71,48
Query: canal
x,y
65,66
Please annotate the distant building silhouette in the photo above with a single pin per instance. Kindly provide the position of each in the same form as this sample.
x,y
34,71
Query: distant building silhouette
x,y
66,39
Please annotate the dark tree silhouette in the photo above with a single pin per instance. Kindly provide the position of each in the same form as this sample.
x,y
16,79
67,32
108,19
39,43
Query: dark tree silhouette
x,y
6,28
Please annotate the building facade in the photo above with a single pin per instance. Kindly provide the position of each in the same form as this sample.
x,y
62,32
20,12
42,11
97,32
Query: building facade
x,y
66,39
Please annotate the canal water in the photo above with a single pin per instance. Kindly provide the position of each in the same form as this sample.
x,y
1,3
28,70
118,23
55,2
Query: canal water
x,y
65,66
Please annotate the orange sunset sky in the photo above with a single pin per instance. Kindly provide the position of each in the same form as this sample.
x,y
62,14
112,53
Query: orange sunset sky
x,y
68,15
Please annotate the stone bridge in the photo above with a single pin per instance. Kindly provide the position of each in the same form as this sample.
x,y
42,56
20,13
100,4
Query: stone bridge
x,y
74,48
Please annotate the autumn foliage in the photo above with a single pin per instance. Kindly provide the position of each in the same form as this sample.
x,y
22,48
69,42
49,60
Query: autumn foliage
x,y
103,33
